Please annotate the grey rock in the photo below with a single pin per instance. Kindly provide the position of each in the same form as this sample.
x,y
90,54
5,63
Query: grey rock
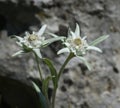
x,y
98,88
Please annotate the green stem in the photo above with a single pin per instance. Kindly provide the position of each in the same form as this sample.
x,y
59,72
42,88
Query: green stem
x,y
53,99
48,102
71,55
39,68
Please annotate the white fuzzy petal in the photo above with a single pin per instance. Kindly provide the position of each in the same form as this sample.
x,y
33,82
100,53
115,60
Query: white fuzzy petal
x,y
19,38
94,48
17,53
77,30
27,33
84,38
33,32
73,35
37,52
67,44
63,50
41,31
18,43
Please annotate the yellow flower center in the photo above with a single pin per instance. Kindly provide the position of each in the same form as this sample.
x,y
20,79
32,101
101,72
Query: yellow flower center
x,y
32,37
77,41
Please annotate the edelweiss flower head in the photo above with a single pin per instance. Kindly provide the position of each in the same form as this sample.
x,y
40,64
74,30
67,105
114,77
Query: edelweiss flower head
x,y
75,44
34,42
31,42
78,45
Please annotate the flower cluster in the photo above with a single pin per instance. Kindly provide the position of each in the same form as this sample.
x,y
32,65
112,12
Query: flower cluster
x,y
34,42
76,44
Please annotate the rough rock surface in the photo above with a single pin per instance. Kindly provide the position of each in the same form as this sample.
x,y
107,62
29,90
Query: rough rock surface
x,y
78,87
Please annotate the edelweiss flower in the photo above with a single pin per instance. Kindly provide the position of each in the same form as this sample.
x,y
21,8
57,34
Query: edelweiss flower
x,y
34,42
77,45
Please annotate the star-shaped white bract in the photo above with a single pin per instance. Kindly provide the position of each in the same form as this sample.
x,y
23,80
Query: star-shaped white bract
x,y
76,44
34,42
31,42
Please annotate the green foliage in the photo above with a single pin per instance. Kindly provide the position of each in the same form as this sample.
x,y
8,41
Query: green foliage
x,y
53,72
98,40
49,41
74,44
45,85
42,99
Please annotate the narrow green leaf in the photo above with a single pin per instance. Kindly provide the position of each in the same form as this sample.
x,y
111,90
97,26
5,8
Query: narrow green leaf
x,y
45,85
49,41
42,98
98,40
17,53
54,35
53,71
36,87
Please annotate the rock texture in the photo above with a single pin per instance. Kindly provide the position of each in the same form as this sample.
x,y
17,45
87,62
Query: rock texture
x,y
78,87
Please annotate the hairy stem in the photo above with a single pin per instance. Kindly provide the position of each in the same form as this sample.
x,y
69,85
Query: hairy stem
x,y
71,55
53,98
39,68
